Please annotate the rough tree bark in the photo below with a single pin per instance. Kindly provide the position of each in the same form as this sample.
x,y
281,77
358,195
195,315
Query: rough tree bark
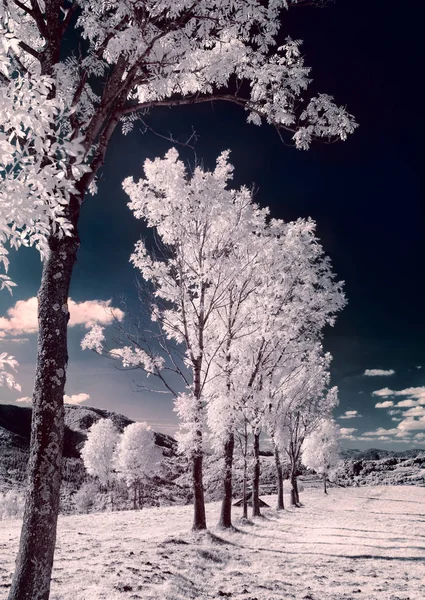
x,y
31,579
280,503
226,505
255,498
325,489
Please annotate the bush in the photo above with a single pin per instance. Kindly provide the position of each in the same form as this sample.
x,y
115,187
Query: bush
x,y
11,505
85,498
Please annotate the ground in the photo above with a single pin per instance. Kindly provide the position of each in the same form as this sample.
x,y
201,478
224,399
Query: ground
x,y
356,543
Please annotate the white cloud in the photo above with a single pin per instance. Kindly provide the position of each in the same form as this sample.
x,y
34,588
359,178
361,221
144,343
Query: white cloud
x,y
378,372
412,424
385,404
76,398
22,317
407,403
347,433
73,399
350,414
384,392
415,393
381,431
419,436
419,366
415,411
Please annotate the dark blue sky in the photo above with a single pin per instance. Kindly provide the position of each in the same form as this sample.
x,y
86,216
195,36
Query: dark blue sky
x,y
365,195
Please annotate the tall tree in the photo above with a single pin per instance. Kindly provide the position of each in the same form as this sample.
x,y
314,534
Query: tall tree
x,y
202,225
136,56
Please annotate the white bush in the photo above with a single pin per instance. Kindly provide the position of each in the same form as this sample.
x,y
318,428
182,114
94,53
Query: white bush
x,y
85,498
11,505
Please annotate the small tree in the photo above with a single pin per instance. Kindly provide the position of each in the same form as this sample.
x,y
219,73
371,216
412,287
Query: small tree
x,y
137,457
321,448
98,451
304,407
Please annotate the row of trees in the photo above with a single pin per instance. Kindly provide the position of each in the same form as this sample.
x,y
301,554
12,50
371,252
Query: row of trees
x,y
132,458
239,302
70,72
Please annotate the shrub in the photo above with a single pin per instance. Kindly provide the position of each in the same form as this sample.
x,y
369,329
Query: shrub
x,y
11,505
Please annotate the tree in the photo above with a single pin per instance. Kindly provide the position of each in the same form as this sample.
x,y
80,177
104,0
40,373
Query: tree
x,y
201,224
321,448
135,57
136,457
296,296
303,409
98,451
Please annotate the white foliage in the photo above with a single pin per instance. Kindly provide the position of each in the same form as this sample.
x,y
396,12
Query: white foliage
x,y
52,115
137,455
321,447
98,451
93,340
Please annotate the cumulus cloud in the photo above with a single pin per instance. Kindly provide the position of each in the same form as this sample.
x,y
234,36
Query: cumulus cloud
x,y
350,414
76,398
22,317
407,403
385,404
381,431
419,437
383,392
412,424
415,411
24,399
378,372
347,433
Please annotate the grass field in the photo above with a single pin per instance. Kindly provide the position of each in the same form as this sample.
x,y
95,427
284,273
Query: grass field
x,y
357,543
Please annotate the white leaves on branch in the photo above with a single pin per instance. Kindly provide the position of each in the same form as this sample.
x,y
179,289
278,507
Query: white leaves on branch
x,y
93,340
137,357
137,56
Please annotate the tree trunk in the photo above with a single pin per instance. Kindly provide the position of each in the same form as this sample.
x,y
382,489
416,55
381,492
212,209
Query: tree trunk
x,y
31,580
325,489
226,505
199,518
255,498
295,499
244,498
280,503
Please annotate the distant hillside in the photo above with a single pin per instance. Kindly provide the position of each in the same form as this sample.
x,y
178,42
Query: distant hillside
x,y
381,467
378,453
15,427
15,431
